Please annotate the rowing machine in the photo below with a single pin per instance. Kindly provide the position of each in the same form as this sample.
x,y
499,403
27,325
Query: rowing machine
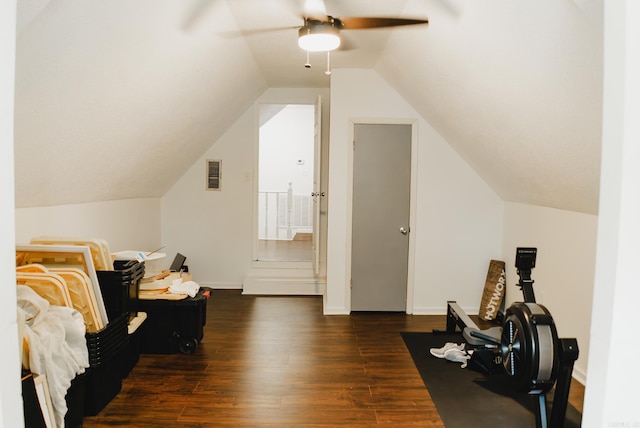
x,y
526,346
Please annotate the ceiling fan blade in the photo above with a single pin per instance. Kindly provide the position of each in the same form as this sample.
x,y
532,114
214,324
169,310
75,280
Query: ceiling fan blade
x,y
363,23
258,31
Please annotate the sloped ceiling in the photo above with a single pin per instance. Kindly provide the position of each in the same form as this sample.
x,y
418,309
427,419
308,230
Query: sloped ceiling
x,y
516,88
117,99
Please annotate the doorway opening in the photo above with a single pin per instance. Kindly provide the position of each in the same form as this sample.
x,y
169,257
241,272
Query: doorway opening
x,y
286,162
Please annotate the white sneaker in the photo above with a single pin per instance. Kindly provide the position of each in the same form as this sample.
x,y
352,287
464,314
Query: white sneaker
x,y
440,352
457,356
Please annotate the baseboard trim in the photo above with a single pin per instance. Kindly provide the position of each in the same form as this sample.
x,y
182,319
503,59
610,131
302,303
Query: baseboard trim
x,y
580,375
222,285
335,311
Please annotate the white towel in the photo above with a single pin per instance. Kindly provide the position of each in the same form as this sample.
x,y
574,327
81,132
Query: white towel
x,y
57,345
188,287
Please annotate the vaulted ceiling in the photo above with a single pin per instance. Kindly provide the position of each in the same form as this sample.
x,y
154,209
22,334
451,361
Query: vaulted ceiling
x,y
116,99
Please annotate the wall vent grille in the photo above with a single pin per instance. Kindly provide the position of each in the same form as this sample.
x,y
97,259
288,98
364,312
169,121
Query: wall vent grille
x,y
214,174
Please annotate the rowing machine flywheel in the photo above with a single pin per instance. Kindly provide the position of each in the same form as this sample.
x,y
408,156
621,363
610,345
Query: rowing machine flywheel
x,y
529,347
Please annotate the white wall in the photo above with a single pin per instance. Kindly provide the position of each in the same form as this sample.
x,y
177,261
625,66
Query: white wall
x,y
611,398
130,224
564,271
284,140
457,224
10,390
214,229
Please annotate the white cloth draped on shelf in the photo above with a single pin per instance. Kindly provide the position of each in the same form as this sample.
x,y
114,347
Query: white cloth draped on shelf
x,y
57,345
190,288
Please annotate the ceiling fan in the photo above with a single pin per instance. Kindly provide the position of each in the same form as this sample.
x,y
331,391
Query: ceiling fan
x,y
323,34
320,32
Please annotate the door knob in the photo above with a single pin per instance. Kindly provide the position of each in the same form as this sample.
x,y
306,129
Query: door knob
x,y
403,231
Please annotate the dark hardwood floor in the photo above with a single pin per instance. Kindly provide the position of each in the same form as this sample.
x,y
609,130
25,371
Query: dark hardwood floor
x,y
277,361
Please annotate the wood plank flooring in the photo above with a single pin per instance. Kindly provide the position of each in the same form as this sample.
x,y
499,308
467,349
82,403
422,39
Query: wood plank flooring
x,y
297,250
277,361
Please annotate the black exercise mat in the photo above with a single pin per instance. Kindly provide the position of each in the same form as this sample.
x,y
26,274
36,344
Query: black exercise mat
x,y
466,398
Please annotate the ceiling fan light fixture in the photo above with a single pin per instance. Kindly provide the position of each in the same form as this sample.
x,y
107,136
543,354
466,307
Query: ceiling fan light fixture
x,y
318,37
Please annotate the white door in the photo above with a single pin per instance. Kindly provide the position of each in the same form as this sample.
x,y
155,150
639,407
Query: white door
x,y
317,193
380,217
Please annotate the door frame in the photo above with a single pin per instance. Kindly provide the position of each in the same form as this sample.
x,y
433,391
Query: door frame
x,y
412,202
295,96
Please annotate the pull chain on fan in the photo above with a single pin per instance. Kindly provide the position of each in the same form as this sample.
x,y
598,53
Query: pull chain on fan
x,y
328,71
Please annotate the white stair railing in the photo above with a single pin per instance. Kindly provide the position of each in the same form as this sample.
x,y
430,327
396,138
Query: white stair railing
x,y
283,213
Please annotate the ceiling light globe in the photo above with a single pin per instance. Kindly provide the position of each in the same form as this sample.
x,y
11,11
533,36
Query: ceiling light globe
x,y
318,38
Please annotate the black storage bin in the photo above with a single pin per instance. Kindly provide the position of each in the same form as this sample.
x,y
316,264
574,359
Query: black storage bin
x,y
103,383
33,417
120,287
106,343
74,398
174,326
131,352
75,402
103,378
